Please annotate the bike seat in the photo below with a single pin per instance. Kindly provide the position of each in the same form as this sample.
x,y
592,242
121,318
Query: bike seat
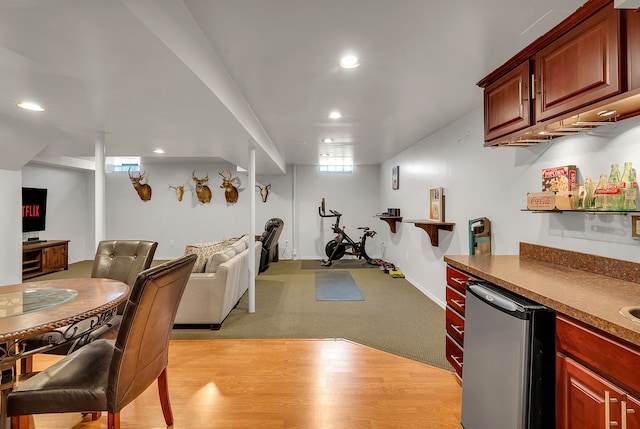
x,y
364,228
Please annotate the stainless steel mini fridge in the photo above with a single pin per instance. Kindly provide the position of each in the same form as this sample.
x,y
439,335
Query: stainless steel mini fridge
x,y
509,361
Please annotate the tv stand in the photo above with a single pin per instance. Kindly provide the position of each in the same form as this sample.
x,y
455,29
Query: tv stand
x,y
42,257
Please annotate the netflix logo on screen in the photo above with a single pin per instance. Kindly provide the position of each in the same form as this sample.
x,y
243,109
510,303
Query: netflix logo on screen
x,y
34,209
31,211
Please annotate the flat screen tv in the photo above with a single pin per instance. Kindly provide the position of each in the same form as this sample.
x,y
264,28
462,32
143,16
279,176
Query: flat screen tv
x,y
34,209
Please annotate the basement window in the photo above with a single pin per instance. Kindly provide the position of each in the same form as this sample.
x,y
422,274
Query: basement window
x,y
116,164
334,164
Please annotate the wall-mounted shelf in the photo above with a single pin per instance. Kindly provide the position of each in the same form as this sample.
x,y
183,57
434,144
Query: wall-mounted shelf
x,y
432,227
392,220
591,212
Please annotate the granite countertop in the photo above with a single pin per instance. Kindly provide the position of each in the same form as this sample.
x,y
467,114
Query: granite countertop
x,y
591,297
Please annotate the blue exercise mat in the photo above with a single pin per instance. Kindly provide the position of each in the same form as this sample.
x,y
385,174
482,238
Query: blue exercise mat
x,y
336,286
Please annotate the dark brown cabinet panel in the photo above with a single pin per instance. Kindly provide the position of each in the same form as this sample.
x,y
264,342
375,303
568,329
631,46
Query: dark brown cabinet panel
x,y
454,315
585,400
633,48
507,104
580,67
596,379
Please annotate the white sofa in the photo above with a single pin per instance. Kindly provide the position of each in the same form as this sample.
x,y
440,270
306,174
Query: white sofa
x,y
220,278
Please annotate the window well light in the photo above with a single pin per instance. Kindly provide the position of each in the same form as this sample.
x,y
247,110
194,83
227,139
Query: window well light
x,y
349,62
335,115
27,105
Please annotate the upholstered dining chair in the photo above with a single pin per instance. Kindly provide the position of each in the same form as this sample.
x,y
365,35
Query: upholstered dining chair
x,y
107,375
119,260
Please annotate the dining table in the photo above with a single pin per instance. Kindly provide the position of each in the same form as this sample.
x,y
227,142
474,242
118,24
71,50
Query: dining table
x,y
69,309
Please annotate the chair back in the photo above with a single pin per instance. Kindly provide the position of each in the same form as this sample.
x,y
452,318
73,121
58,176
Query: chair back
x,y
141,348
123,260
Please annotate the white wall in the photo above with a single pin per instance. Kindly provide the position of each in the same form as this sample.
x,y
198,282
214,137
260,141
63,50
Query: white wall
x,y
493,183
70,201
355,195
10,227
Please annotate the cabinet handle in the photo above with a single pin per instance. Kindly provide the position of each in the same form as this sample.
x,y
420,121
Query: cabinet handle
x,y
458,303
457,329
625,410
607,410
533,86
459,281
455,358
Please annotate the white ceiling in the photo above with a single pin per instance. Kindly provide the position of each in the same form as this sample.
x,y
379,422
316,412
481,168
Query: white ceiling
x,y
213,78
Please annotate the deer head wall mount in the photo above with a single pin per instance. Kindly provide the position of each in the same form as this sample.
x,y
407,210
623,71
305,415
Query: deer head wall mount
x,y
202,190
264,191
179,191
230,191
143,189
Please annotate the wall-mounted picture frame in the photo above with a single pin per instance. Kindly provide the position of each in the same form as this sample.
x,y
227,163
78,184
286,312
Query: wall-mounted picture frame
x,y
395,177
436,204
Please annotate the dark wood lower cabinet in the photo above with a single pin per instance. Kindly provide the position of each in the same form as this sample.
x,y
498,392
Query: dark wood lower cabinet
x,y
597,382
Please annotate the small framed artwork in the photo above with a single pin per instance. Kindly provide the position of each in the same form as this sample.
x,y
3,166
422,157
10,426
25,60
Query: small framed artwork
x,y
395,177
436,205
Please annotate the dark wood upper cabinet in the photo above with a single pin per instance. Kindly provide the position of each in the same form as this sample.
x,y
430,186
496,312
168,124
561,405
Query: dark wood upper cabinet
x,y
633,48
580,67
507,103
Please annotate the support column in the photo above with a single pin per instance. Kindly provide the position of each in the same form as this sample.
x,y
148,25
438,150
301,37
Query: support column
x,y
252,232
100,211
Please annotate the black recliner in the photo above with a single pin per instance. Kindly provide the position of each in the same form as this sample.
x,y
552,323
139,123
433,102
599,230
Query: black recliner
x,y
269,239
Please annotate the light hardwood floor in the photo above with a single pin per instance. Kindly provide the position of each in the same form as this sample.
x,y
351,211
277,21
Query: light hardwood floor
x,y
306,384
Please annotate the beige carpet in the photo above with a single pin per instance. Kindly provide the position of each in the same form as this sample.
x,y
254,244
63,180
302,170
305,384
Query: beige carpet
x,y
394,316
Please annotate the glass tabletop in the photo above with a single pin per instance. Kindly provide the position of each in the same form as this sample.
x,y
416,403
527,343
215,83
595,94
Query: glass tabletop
x,y
32,300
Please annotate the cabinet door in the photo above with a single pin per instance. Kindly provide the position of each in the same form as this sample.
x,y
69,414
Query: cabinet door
x,y
584,399
631,410
507,103
633,48
54,258
580,67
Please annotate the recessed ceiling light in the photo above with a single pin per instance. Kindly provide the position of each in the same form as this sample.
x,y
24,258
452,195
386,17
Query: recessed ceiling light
x,y
350,62
159,151
327,140
335,115
324,154
30,106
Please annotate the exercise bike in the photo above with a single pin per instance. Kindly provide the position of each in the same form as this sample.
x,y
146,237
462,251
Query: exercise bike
x,y
343,244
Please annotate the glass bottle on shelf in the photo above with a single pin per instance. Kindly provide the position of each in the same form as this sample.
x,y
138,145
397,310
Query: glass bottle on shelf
x,y
614,198
587,200
629,188
600,198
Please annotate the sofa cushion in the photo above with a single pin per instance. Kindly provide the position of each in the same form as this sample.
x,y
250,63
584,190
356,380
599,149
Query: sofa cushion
x,y
221,256
239,246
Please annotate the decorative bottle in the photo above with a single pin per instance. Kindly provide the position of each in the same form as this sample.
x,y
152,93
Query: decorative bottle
x,y
600,198
614,193
629,188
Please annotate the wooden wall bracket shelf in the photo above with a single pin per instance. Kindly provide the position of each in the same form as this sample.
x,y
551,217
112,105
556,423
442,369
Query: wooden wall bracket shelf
x,y
392,220
431,228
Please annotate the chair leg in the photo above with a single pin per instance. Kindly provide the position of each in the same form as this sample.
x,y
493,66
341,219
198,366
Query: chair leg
x,y
113,421
19,422
96,415
26,364
163,390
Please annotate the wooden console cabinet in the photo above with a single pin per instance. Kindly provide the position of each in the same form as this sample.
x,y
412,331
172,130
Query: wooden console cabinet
x,y
44,257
